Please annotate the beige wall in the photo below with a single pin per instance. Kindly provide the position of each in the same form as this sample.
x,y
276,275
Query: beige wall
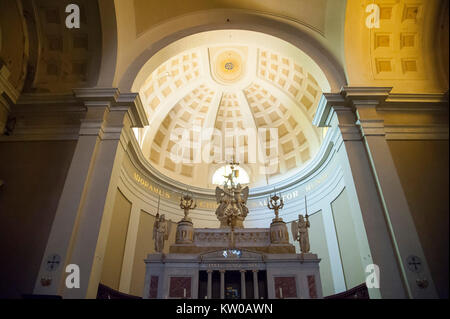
x,y
34,175
145,246
348,245
423,170
115,247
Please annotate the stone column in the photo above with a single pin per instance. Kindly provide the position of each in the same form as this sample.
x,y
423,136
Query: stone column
x,y
255,284
243,283
222,283
209,287
81,225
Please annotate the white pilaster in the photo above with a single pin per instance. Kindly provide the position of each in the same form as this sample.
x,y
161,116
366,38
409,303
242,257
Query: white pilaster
x,y
374,240
81,226
66,217
393,199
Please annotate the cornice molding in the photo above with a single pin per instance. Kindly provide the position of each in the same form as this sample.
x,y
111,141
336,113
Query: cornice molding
x,y
416,103
50,116
416,132
379,98
365,93
97,94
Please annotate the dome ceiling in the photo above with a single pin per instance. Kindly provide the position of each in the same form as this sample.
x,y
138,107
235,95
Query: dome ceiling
x,y
210,91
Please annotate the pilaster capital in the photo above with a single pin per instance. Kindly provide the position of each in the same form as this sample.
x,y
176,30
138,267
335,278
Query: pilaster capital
x,y
348,103
353,111
92,123
124,103
222,271
328,104
110,112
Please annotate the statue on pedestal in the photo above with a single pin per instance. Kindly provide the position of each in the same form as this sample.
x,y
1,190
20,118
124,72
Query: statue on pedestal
x,y
187,203
300,231
161,230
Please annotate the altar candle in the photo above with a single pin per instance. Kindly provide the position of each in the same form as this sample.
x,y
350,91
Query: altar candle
x,y
281,293
184,292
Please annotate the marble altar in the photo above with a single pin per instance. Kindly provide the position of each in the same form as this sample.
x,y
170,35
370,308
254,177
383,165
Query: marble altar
x,y
252,263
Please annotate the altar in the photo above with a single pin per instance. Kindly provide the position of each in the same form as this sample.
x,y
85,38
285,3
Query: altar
x,y
211,274
232,262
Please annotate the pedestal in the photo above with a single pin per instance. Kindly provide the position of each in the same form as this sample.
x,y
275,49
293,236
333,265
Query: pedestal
x,y
185,232
278,232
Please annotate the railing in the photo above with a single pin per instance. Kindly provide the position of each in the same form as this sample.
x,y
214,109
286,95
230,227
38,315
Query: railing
x,y
358,292
104,292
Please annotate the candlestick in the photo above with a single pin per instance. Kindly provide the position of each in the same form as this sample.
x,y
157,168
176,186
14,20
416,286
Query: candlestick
x,y
157,211
306,208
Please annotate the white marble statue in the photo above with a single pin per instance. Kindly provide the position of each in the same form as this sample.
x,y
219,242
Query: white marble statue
x,y
161,232
300,232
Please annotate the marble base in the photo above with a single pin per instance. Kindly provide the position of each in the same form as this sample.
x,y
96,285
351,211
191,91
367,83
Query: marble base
x,y
296,274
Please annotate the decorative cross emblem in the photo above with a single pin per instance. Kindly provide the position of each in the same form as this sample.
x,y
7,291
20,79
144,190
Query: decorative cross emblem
x,y
53,262
414,263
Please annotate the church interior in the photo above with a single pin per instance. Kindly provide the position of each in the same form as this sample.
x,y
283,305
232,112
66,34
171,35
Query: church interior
x,y
226,149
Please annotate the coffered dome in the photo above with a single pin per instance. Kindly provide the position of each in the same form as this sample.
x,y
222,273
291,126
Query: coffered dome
x,y
253,100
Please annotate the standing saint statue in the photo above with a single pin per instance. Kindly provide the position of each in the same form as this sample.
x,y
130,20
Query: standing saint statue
x,y
161,232
300,233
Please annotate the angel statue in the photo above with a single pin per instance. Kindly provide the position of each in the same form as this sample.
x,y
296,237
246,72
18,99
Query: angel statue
x,y
300,232
161,232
